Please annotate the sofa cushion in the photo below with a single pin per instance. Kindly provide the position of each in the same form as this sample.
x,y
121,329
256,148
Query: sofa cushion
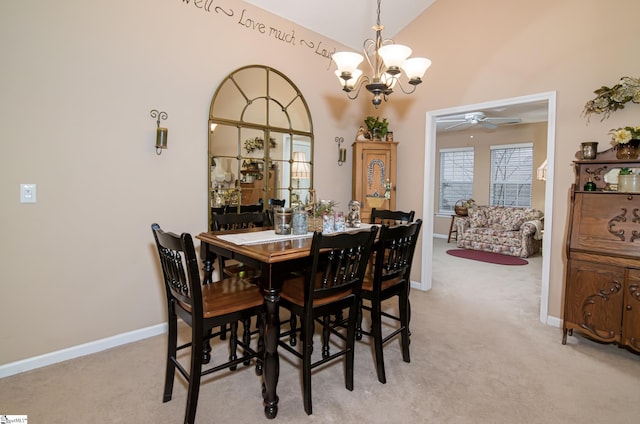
x,y
477,218
514,220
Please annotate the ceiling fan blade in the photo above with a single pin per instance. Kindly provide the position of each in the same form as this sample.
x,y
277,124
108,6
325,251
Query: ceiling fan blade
x,y
450,120
456,125
488,124
501,120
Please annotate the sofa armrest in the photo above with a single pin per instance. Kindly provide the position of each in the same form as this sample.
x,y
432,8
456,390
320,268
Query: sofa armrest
x,y
463,223
532,228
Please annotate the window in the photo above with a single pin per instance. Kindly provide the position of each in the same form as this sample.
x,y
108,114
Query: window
x,y
511,175
456,177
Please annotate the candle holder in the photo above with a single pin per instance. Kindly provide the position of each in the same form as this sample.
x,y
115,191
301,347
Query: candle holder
x,y
589,150
162,134
342,152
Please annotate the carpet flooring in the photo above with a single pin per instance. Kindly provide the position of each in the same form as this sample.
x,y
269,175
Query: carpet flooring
x,y
479,355
489,257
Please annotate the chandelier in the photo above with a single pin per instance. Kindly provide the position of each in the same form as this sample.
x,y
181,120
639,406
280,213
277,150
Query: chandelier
x,y
385,59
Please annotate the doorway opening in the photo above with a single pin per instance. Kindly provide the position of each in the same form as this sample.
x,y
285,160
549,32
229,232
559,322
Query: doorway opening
x,y
549,98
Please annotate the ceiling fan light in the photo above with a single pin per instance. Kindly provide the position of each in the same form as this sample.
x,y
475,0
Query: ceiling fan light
x,y
347,62
415,67
394,55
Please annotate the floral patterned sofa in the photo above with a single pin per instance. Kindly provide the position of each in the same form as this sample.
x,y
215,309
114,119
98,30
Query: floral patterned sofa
x,y
501,229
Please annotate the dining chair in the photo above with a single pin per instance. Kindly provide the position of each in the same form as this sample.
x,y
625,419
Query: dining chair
x,y
233,221
230,267
331,284
202,308
387,276
251,208
389,217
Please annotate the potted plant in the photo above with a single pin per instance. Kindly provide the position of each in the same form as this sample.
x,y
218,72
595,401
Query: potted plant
x,y
377,129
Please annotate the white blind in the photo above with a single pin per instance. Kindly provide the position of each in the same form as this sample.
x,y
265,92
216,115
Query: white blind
x,y
456,177
511,175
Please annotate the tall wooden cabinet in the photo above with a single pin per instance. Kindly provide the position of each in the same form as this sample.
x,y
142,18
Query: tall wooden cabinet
x,y
602,287
374,176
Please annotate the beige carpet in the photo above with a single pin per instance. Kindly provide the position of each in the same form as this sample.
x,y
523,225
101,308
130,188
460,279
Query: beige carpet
x,y
479,355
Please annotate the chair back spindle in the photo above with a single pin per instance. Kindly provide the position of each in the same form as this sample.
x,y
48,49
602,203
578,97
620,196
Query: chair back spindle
x,y
389,217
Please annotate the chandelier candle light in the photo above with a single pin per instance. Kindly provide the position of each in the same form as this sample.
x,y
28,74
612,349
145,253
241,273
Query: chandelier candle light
x,y
385,59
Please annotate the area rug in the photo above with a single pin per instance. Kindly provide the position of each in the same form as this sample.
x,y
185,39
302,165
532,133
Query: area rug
x,y
493,258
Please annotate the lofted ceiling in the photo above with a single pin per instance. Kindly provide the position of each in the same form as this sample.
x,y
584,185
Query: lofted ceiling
x,y
347,21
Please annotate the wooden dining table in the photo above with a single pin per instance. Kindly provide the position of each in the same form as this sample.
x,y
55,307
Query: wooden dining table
x,y
276,257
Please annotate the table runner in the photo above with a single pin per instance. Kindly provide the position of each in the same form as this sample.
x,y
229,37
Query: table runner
x,y
269,236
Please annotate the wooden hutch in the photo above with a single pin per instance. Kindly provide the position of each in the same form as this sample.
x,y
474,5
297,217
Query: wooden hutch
x,y
602,287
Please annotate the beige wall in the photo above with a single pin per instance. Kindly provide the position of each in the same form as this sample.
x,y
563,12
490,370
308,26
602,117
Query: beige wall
x,y
80,77
488,50
481,142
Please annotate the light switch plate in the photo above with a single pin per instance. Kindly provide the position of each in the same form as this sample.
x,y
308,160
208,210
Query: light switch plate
x,y
27,193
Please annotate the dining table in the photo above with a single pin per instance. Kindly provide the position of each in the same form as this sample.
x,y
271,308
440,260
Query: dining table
x,y
276,256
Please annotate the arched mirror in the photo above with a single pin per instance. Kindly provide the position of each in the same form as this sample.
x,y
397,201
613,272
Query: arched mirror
x,y
260,141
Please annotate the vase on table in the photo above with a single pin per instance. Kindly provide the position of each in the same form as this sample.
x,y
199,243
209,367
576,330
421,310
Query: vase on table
x,y
627,151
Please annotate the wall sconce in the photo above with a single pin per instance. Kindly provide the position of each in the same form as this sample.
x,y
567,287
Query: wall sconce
x,y
161,133
342,152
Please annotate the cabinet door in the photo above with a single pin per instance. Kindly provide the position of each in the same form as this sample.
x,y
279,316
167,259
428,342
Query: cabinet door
x,y
631,312
374,168
593,300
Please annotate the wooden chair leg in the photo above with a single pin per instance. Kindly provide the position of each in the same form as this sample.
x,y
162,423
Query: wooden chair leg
x,y
246,336
359,321
376,333
172,344
206,350
195,376
293,326
307,350
223,332
233,344
404,307
325,336
351,339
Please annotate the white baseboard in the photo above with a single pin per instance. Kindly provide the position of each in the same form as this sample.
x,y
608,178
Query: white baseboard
x,y
554,321
81,350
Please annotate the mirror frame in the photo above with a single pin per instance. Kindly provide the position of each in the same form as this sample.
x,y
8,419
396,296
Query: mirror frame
x,y
233,107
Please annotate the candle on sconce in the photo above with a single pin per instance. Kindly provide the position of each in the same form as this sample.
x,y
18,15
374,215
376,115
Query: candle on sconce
x,y
343,155
161,138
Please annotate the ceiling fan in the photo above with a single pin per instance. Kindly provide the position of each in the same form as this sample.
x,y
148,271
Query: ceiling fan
x,y
475,118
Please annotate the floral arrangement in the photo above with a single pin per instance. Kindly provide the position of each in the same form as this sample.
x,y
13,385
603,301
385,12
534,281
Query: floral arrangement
x,y
624,135
257,143
609,100
321,207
